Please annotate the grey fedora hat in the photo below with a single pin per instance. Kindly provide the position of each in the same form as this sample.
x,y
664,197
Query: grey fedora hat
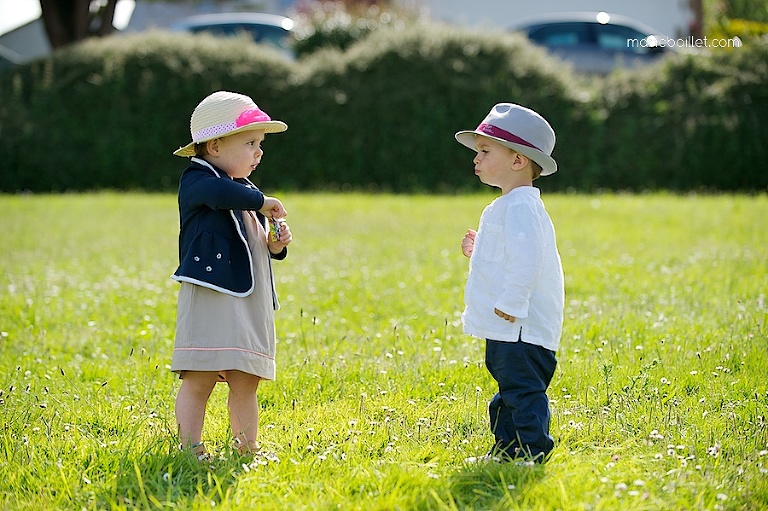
x,y
518,128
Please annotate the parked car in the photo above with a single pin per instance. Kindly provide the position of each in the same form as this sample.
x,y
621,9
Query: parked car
x,y
263,28
8,58
596,42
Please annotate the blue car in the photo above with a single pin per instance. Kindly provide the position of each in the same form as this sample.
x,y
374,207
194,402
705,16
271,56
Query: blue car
x,y
270,29
596,42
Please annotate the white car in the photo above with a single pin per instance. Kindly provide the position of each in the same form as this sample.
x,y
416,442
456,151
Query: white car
x,y
596,42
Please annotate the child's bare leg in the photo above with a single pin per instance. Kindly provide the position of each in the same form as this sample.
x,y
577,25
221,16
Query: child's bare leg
x,y
243,407
196,387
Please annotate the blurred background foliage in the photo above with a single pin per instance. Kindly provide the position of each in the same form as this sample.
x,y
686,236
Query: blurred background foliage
x,y
339,24
372,103
745,19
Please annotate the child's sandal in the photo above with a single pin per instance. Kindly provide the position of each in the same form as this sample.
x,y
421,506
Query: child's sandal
x,y
242,449
254,452
199,451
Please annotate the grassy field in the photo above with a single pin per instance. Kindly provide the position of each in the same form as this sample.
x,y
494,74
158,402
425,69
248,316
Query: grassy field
x,y
660,400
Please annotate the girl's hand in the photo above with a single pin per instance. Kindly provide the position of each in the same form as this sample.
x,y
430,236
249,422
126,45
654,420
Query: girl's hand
x,y
285,238
272,208
468,243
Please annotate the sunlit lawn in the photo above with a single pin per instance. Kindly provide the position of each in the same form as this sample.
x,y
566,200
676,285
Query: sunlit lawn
x,y
659,402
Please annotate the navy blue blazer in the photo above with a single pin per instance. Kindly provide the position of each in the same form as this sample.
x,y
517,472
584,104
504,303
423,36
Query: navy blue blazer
x,y
213,244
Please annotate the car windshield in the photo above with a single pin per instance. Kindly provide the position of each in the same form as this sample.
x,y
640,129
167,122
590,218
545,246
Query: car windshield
x,y
259,33
571,34
561,34
617,37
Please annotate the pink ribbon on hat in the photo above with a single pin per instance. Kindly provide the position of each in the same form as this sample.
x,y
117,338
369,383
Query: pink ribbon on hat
x,y
251,116
497,132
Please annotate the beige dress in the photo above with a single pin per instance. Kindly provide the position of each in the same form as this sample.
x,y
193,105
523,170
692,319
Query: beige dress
x,y
220,332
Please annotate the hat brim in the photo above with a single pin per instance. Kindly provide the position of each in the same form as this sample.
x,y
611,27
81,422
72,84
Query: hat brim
x,y
548,165
266,127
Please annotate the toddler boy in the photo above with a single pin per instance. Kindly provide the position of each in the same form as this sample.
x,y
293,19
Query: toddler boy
x,y
514,294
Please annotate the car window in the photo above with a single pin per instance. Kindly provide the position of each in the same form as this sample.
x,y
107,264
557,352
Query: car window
x,y
619,38
259,33
224,29
271,35
560,34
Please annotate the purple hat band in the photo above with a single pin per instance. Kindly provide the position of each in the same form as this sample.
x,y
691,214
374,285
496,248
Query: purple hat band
x,y
494,131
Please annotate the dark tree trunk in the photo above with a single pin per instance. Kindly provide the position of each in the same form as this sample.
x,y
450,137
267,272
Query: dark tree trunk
x,y
69,21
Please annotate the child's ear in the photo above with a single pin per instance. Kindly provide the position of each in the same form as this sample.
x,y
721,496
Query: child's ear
x,y
212,146
520,161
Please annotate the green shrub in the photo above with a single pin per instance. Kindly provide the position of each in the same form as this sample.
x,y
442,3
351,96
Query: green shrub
x,y
746,19
108,113
381,116
697,122
337,25
388,108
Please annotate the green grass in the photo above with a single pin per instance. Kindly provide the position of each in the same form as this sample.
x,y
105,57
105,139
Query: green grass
x,y
660,400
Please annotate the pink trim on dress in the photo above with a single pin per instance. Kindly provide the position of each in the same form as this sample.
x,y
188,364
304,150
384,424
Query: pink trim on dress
x,y
227,349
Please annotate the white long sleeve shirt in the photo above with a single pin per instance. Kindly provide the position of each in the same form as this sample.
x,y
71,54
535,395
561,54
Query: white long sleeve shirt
x,y
515,267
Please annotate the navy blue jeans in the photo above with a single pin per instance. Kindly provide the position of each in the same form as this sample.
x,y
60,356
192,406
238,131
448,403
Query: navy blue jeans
x,y
519,412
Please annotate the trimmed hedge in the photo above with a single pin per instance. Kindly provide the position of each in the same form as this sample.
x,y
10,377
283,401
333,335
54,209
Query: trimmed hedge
x,y
107,113
381,116
338,25
696,123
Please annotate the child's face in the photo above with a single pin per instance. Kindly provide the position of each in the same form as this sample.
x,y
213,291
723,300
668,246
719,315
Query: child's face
x,y
238,155
494,163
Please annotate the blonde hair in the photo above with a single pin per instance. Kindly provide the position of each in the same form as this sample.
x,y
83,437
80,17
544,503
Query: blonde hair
x,y
535,168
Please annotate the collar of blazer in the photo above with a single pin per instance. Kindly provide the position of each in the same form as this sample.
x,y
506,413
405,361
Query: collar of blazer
x,y
217,173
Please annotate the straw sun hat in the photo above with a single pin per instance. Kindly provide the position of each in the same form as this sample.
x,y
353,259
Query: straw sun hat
x,y
520,129
226,113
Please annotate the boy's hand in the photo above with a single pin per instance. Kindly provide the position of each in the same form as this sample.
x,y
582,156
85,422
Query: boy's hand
x,y
272,208
468,243
504,315
285,238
